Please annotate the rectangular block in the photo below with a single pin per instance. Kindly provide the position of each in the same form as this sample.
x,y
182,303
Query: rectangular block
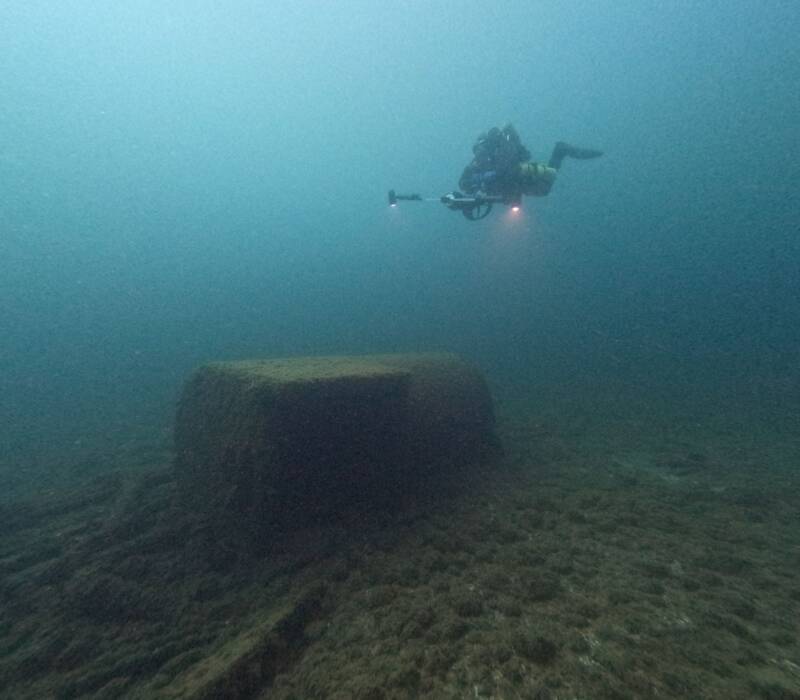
x,y
266,439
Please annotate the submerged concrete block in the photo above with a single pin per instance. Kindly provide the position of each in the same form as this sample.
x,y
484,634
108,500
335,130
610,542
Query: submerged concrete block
x,y
260,440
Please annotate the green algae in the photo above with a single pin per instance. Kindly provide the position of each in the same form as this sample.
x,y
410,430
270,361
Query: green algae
x,y
561,572
246,662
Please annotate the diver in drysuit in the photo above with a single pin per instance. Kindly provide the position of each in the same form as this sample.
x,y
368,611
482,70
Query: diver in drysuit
x,y
501,166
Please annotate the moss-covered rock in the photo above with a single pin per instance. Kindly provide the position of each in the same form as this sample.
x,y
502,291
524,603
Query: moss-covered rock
x,y
260,441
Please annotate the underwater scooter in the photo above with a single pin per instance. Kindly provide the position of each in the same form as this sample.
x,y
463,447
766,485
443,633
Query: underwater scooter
x,y
473,207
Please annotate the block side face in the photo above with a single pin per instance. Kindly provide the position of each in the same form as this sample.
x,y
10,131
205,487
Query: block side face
x,y
338,437
249,448
451,408
223,427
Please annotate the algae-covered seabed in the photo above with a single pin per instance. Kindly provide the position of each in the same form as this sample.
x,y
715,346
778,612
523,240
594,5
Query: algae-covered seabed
x,y
617,551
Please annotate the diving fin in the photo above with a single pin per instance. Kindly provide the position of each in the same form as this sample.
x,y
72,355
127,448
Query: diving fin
x,y
563,149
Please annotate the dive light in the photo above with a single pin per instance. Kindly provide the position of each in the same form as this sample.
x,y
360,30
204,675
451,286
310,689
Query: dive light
x,y
394,198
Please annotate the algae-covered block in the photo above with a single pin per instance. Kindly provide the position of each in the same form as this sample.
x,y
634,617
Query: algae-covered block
x,y
259,439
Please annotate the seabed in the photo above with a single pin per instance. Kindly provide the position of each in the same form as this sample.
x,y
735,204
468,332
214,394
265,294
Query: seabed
x,y
608,554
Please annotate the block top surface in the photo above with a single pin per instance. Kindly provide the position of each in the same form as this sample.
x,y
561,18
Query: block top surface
x,y
324,368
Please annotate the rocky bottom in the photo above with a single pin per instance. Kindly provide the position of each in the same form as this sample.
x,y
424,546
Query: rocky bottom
x,y
613,558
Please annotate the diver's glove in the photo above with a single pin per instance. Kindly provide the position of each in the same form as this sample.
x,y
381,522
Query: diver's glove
x,y
482,179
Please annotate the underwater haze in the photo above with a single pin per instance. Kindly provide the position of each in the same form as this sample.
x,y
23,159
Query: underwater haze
x,y
187,182
193,181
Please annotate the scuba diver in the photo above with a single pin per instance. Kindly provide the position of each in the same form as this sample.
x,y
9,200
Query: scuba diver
x,y
501,166
501,172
